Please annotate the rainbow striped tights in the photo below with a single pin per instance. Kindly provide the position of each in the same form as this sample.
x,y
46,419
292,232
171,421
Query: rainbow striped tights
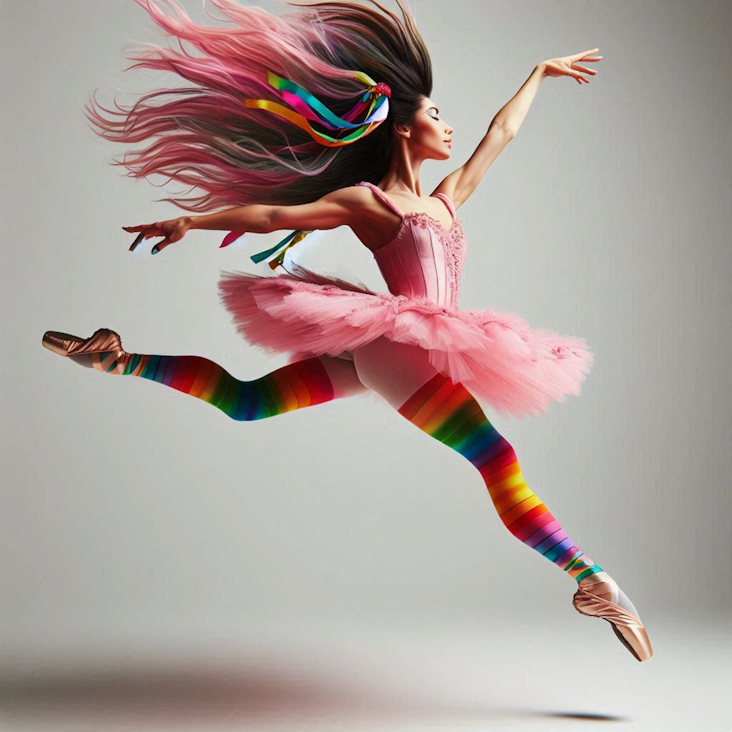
x,y
446,411
449,413
402,375
302,384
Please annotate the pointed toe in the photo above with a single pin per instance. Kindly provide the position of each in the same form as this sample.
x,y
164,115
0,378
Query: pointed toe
x,y
600,600
64,344
635,639
59,343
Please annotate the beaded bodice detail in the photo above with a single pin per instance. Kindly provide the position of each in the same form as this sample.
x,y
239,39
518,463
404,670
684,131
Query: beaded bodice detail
x,y
424,259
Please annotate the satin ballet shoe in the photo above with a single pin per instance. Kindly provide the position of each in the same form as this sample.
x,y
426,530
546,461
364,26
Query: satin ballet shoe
x,y
600,599
103,340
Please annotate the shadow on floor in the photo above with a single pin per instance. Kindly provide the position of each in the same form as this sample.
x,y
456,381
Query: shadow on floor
x,y
204,693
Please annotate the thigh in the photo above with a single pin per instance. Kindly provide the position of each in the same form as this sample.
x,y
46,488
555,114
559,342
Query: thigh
x,y
340,369
343,376
393,370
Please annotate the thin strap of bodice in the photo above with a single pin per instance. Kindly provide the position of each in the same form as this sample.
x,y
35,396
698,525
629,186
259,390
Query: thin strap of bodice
x,y
381,195
448,203
387,200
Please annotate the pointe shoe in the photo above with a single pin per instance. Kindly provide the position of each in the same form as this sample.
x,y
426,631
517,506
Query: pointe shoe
x,y
599,599
103,340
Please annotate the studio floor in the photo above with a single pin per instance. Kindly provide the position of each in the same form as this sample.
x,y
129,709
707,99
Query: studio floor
x,y
386,676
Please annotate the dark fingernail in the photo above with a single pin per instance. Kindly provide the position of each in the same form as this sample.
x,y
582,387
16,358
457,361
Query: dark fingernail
x,y
155,250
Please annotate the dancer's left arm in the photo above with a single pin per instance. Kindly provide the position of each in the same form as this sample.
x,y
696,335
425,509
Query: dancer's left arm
x,y
461,183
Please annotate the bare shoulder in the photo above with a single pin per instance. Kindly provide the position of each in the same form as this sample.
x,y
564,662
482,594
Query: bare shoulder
x,y
357,202
354,206
356,195
364,208
373,222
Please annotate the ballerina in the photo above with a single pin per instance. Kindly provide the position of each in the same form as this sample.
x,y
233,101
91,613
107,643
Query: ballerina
x,y
355,165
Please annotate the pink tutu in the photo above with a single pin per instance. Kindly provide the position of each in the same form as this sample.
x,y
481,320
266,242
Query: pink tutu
x,y
517,370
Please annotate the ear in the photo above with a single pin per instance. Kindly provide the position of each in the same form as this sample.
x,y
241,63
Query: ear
x,y
402,130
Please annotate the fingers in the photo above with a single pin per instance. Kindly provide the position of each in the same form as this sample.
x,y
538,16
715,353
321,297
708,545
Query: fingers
x,y
585,57
165,242
144,227
568,66
172,231
577,67
137,241
146,231
175,235
160,246
581,56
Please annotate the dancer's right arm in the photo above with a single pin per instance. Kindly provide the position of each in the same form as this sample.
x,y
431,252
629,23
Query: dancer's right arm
x,y
338,208
341,207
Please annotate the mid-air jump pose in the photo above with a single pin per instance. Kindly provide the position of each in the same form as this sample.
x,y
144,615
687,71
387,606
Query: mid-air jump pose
x,y
321,118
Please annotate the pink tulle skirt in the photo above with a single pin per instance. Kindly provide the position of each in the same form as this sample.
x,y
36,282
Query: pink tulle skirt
x,y
517,370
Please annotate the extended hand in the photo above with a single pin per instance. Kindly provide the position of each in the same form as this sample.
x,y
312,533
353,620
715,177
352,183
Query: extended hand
x,y
173,230
568,66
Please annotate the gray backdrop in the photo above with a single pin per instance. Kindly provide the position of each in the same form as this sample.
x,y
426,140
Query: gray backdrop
x,y
137,519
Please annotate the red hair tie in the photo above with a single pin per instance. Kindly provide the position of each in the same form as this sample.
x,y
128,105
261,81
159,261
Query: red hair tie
x,y
382,88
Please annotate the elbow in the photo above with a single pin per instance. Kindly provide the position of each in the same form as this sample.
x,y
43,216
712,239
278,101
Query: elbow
x,y
502,128
508,132
267,222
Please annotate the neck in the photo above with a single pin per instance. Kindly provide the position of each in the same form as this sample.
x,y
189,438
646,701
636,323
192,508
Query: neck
x,y
403,173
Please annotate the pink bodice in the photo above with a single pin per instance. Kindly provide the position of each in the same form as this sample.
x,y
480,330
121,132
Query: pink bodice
x,y
424,259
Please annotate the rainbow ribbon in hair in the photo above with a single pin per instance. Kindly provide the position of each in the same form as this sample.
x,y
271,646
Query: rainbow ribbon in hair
x,y
375,98
375,101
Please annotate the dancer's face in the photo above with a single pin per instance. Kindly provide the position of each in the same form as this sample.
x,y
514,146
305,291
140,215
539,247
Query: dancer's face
x,y
429,133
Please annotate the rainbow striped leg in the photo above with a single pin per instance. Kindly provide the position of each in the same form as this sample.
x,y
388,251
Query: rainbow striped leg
x,y
304,383
450,414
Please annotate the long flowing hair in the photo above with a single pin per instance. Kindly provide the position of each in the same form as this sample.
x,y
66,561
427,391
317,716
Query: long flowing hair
x,y
204,136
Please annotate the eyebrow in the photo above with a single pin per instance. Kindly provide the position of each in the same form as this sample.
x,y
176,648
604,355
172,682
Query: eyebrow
x,y
435,108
